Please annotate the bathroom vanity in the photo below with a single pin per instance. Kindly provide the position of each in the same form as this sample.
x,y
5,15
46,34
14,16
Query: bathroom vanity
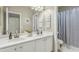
x,y
35,43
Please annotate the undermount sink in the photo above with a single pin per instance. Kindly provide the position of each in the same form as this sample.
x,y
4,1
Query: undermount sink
x,y
16,39
6,40
34,35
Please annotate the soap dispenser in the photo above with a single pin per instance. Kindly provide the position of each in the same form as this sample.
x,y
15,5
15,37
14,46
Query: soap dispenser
x,y
10,35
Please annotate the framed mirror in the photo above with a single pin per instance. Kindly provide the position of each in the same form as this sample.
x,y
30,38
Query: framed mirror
x,y
13,22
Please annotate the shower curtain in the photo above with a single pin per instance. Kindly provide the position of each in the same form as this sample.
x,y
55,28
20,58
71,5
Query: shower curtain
x,y
68,26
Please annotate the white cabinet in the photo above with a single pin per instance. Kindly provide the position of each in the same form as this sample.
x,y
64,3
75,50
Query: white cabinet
x,y
49,43
8,49
40,45
23,47
44,44
26,47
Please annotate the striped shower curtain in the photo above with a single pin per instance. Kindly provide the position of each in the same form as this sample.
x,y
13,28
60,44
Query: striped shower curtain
x,y
68,26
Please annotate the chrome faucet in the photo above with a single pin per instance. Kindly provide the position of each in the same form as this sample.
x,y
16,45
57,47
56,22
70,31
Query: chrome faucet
x,y
16,35
10,35
39,32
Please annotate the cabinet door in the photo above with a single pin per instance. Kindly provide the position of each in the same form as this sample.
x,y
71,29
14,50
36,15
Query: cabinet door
x,y
49,44
9,49
26,47
40,45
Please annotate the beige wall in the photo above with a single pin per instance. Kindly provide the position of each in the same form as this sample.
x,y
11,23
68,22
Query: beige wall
x,y
1,19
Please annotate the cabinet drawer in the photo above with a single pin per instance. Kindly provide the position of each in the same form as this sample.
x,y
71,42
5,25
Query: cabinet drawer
x,y
26,47
8,49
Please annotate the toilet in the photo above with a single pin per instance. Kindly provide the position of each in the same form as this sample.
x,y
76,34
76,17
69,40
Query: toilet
x,y
60,44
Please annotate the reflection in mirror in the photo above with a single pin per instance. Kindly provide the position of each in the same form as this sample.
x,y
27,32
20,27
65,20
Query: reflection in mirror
x,y
13,23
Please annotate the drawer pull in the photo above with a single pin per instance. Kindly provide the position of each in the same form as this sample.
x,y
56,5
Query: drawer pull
x,y
21,47
15,49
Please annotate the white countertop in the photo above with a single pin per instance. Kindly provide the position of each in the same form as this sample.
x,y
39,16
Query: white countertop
x,y
5,42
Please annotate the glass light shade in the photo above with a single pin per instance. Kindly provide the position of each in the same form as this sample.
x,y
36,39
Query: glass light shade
x,y
37,8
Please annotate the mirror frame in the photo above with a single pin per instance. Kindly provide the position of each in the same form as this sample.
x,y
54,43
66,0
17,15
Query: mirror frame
x,y
13,12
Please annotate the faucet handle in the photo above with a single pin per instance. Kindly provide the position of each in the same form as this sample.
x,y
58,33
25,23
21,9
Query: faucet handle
x,y
10,35
7,32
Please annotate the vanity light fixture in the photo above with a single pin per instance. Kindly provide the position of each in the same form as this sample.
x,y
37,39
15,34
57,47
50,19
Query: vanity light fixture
x,y
38,8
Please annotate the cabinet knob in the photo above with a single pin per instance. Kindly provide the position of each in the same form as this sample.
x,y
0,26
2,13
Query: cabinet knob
x,y
15,49
21,47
